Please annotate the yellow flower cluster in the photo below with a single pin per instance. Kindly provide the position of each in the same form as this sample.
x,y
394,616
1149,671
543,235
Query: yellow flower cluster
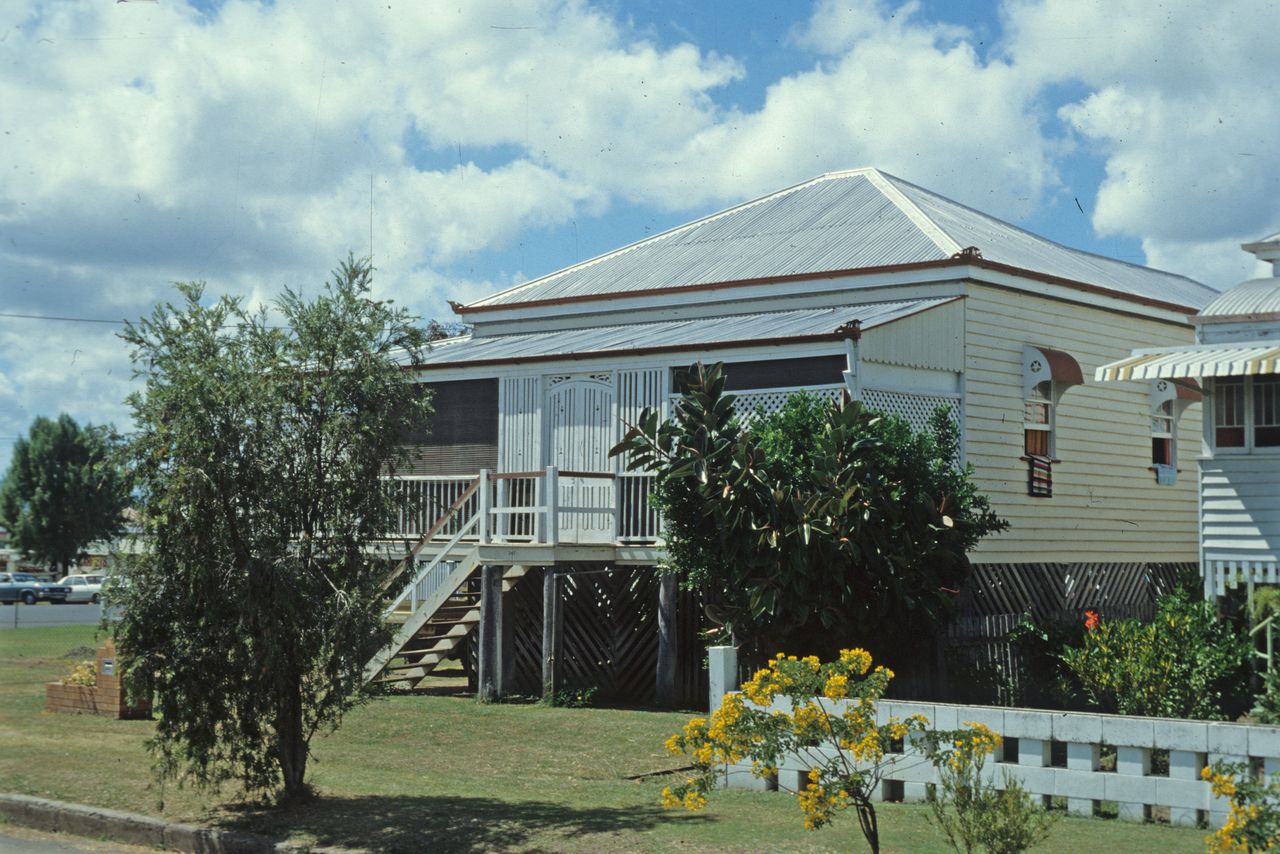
x,y
837,687
1240,831
857,660
817,803
685,796
810,722
980,739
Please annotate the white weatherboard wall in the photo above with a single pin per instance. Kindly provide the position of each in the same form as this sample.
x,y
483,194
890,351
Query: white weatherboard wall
x,y
1191,745
1240,518
1106,505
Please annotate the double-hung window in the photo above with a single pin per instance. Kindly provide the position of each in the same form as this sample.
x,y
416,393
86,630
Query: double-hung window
x,y
1163,452
1037,426
1246,412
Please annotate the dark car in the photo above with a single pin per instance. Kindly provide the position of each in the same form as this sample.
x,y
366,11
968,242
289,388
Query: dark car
x,y
24,587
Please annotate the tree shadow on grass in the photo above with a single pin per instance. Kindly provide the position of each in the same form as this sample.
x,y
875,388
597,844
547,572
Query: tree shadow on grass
x,y
450,823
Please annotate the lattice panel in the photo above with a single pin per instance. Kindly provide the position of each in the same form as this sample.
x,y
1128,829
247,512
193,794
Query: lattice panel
x,y
769,401
915,409
610,636
1050,591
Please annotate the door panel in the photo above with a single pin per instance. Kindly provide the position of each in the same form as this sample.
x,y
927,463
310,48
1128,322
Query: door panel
x,y
580,422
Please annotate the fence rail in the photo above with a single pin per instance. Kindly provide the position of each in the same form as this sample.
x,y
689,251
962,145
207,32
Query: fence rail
x,y
1030,736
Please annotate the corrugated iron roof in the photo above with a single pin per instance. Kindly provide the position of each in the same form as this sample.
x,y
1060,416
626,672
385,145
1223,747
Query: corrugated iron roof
x,y
698,333
1256,296
841,221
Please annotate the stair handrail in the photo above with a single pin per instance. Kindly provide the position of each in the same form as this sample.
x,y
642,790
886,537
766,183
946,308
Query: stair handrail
x,y
1269,626
434,562
435,528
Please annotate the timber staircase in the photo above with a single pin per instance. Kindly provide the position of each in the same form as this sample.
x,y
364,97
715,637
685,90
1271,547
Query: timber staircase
x,y
439,607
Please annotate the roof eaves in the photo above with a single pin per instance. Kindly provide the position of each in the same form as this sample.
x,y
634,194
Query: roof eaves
x,y
838,334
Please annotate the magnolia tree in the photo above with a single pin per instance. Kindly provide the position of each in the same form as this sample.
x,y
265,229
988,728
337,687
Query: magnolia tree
x,y
819,526
258,458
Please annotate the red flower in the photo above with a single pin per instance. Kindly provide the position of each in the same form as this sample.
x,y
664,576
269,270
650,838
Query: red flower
x,y
1091,620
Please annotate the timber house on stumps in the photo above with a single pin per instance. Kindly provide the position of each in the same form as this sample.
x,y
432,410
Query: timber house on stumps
x,y
854,283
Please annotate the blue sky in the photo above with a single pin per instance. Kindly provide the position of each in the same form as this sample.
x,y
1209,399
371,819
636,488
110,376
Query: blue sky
x,y
250,144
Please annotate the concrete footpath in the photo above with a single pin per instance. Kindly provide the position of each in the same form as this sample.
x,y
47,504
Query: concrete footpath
x,y
134,829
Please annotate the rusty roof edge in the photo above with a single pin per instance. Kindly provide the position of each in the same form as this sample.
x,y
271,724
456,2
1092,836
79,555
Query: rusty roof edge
x,y
941,263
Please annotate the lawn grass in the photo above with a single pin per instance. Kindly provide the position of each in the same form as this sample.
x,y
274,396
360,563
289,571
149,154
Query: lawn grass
x,y
415,773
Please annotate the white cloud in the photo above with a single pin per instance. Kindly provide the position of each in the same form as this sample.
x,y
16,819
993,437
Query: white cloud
x,y
146,142
1178,103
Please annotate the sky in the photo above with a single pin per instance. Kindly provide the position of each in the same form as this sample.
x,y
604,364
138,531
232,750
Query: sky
x,y
471,146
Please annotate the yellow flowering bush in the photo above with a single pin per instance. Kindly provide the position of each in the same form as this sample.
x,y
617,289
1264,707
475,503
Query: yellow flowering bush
x,y
83,674
1253,823
971,812
828,720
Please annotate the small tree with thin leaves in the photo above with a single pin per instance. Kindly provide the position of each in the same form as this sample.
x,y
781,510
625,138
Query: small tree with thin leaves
x,y
258,458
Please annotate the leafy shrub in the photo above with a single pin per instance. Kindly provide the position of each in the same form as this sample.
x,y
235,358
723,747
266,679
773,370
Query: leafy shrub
x,y
1266,707
817,527
1186,663
968,808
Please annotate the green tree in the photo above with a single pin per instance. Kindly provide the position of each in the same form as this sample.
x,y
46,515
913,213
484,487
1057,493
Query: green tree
x,y
824,525
258,455
64,490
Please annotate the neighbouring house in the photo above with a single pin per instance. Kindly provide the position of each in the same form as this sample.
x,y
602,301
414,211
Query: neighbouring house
x,y
1236,358
854,283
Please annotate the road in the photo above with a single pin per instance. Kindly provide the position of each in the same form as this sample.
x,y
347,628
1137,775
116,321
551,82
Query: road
x,y
20,840
29,616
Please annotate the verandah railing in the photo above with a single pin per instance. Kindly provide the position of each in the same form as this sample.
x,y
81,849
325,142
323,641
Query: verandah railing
x,y
525,507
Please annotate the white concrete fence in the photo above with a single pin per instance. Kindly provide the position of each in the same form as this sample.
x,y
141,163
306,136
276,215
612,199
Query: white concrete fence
x,y
1029,736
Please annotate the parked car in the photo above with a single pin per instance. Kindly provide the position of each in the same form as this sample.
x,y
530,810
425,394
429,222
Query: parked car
x,y
83,588
24,587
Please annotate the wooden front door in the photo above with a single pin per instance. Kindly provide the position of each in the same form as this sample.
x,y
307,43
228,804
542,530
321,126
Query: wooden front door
x,y
580,426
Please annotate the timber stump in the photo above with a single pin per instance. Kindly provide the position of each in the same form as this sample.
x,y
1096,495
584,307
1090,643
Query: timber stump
x,y
106,697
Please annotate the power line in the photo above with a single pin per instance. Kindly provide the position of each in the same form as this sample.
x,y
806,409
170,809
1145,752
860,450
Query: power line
x,y
60,318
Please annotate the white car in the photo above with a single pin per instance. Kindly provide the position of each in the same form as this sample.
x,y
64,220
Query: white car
x,y
84,588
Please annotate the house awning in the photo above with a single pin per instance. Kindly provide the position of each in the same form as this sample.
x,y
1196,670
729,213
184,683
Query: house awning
x,y
1233,360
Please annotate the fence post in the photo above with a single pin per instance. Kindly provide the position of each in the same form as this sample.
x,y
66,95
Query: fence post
x,y
485,504
722,673
553,505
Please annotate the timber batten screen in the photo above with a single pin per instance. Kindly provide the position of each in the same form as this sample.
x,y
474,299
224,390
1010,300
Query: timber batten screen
x,y
461,436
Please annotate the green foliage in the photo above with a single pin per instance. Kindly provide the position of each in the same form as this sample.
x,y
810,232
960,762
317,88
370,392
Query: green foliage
x,y
253,607
820,525
64,490
1186,663
1266,706
971,812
